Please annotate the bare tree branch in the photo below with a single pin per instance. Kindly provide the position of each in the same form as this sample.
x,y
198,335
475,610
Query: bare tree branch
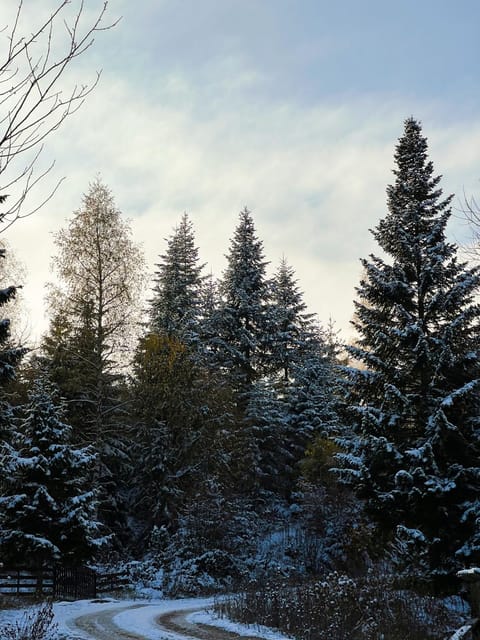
x,y
33,104
470,212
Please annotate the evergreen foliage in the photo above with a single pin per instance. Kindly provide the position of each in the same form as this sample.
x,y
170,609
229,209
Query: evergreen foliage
x,y
179,406
261,460
414,399
10,355
48,506
292,325
177,294
313,396
242,320
94,320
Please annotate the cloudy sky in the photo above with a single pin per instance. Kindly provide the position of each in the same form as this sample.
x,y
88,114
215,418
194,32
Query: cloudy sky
x,y
290,107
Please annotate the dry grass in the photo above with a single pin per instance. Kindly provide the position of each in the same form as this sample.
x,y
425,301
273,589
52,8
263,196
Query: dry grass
x,y
340,607
35,624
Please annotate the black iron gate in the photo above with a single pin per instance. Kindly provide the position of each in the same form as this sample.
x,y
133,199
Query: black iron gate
x,y
74,583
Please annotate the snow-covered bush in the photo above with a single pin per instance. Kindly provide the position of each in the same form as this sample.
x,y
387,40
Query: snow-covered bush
x,y
211,572
208,552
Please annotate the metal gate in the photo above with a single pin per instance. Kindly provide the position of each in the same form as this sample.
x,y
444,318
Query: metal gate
x,y
74,583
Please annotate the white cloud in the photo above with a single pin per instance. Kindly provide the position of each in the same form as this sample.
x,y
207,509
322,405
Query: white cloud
x,y
314,175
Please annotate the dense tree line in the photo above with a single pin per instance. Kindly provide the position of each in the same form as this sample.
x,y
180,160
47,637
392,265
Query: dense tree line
x,y
229,402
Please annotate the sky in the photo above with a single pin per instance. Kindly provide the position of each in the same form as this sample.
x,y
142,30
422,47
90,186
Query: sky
x,y
289,107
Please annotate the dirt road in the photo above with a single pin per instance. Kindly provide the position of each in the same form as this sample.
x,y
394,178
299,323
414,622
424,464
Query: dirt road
x,y
101,625
177,621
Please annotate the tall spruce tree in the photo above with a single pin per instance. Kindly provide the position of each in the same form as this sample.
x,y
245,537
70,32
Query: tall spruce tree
x,y
241,333
293,327
177,294
242,319
415,397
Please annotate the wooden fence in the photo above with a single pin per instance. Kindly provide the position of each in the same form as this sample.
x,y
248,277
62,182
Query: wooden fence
x,y
55,582
111,581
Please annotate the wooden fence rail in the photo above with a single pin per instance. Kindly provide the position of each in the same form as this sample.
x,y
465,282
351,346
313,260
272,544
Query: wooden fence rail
x,y
111,581
58,582
23,581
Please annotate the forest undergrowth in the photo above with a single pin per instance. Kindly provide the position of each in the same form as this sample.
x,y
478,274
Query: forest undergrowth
x,y
338,607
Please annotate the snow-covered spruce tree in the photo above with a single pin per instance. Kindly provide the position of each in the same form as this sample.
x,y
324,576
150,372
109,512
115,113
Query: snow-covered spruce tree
x,y
177,294
241,329
261,443
306,370
48,505
242,320
415,396
313,397
293,326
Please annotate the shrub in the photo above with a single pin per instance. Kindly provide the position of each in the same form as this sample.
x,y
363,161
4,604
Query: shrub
x,y
36,624
340,607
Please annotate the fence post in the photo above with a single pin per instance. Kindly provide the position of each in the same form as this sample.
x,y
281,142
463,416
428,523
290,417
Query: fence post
x,y
472,578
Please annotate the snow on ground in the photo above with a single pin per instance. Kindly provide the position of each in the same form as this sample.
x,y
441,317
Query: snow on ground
x,y
141,618
255,630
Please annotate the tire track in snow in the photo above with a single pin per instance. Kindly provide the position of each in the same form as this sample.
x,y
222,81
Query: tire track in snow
x,y
100,625
178,623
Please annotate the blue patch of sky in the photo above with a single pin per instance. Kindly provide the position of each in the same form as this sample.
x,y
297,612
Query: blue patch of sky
x,y
310,50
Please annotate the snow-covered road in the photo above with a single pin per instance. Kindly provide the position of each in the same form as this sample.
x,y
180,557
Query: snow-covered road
x,y
146,620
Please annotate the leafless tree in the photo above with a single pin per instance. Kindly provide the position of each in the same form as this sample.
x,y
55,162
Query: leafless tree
x,y
95,307
471,214
33,100
12,269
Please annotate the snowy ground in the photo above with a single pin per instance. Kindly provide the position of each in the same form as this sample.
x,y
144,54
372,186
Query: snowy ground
x,y
144,620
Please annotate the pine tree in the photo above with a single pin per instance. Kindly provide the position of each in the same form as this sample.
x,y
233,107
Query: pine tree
x,y
257,444
48,505
292,326
415,397
314,395
179,407
242,319
176,304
